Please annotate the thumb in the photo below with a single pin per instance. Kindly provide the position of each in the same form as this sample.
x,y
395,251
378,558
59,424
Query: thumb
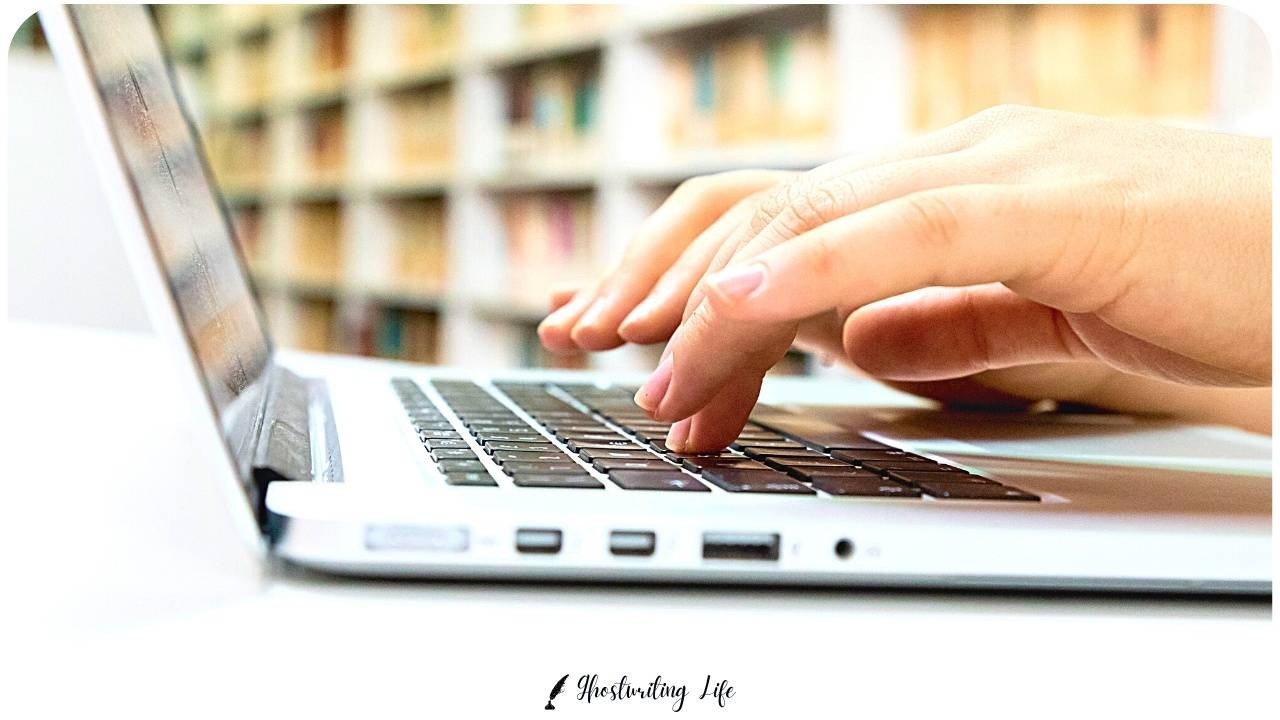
x,y
944,333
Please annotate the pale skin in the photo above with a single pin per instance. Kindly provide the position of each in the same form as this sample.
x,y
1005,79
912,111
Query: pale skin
x,y
1016,256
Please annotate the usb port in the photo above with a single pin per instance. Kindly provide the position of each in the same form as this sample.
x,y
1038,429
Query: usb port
x,y
632,542
538,540
740,546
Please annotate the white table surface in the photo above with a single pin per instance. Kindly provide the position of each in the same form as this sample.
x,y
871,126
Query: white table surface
x,y
126,591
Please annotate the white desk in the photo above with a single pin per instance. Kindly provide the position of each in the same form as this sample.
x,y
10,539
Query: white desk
x,y
126,590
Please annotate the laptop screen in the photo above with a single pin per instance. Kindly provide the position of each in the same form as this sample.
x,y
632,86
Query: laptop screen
x,y
188,229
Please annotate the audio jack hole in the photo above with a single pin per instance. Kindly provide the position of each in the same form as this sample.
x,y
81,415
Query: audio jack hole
x,y
844,548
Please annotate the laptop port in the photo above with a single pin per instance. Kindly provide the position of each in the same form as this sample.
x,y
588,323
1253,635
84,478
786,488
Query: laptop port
x,y
740,546
632,542
844,548
538,540
430,538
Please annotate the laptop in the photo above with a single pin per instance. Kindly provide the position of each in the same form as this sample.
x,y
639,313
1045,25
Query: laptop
x,y
371,468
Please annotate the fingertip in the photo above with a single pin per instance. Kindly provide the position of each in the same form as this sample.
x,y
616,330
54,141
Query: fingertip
x,y
594,337
647,330
678,434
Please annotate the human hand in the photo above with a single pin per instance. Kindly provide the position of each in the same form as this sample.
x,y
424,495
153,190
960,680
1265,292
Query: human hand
x,y
1046,237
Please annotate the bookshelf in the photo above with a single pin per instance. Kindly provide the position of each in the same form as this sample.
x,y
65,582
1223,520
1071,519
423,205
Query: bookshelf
x,y
410,180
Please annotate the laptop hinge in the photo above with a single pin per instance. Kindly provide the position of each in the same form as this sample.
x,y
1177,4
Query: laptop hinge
x,y
297,439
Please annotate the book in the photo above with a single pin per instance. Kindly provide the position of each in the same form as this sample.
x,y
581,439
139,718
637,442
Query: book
x,y
246,221
548,241
316,256
1118,60
419,260
404,334
238,151
425,35
552,115
324,48
541,23
423,128
750,88
324,145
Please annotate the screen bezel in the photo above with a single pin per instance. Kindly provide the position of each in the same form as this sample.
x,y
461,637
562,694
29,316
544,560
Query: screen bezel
x,y
136,233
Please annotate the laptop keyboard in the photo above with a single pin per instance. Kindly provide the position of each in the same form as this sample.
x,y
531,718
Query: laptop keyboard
x,y
601,429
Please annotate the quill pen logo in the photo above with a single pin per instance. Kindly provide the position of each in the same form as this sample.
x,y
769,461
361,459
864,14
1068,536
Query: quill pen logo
x,y
556,690
592,690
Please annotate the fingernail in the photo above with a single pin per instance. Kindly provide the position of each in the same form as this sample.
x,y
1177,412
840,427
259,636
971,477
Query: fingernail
x,y
638,314
678,434
651,393
738,283
590,316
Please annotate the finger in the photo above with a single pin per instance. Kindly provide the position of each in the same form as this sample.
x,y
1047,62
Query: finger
x,y
879,186
554,329
814,199
962,393
657,316
965,235
718,424
823,335
946,333
709,353
561,295
661,239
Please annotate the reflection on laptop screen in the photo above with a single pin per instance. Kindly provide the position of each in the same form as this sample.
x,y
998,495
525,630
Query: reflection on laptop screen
x,y
187,229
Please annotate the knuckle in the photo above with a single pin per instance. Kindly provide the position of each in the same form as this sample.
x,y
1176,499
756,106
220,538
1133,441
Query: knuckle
x,y
801,205
771,206
932,220
999,118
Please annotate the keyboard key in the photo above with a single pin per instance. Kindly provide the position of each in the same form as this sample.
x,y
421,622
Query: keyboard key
x,y
434,425
478,479
443,443
808,473
491,446
855,443
862,486
513,438
517,456
796,452
620,442
724,460
874,455
438,434
673,480
449,467
579,428
558,480
910,466
515,428
754,481
604,465
772,444
975,491
537,468
590,454
782,463
917,477
453,453
594,438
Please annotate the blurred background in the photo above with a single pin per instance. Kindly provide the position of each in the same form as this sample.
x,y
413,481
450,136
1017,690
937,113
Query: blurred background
x,y
408,181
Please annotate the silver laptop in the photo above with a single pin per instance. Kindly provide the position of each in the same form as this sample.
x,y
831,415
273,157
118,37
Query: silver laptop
x,y
372,468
